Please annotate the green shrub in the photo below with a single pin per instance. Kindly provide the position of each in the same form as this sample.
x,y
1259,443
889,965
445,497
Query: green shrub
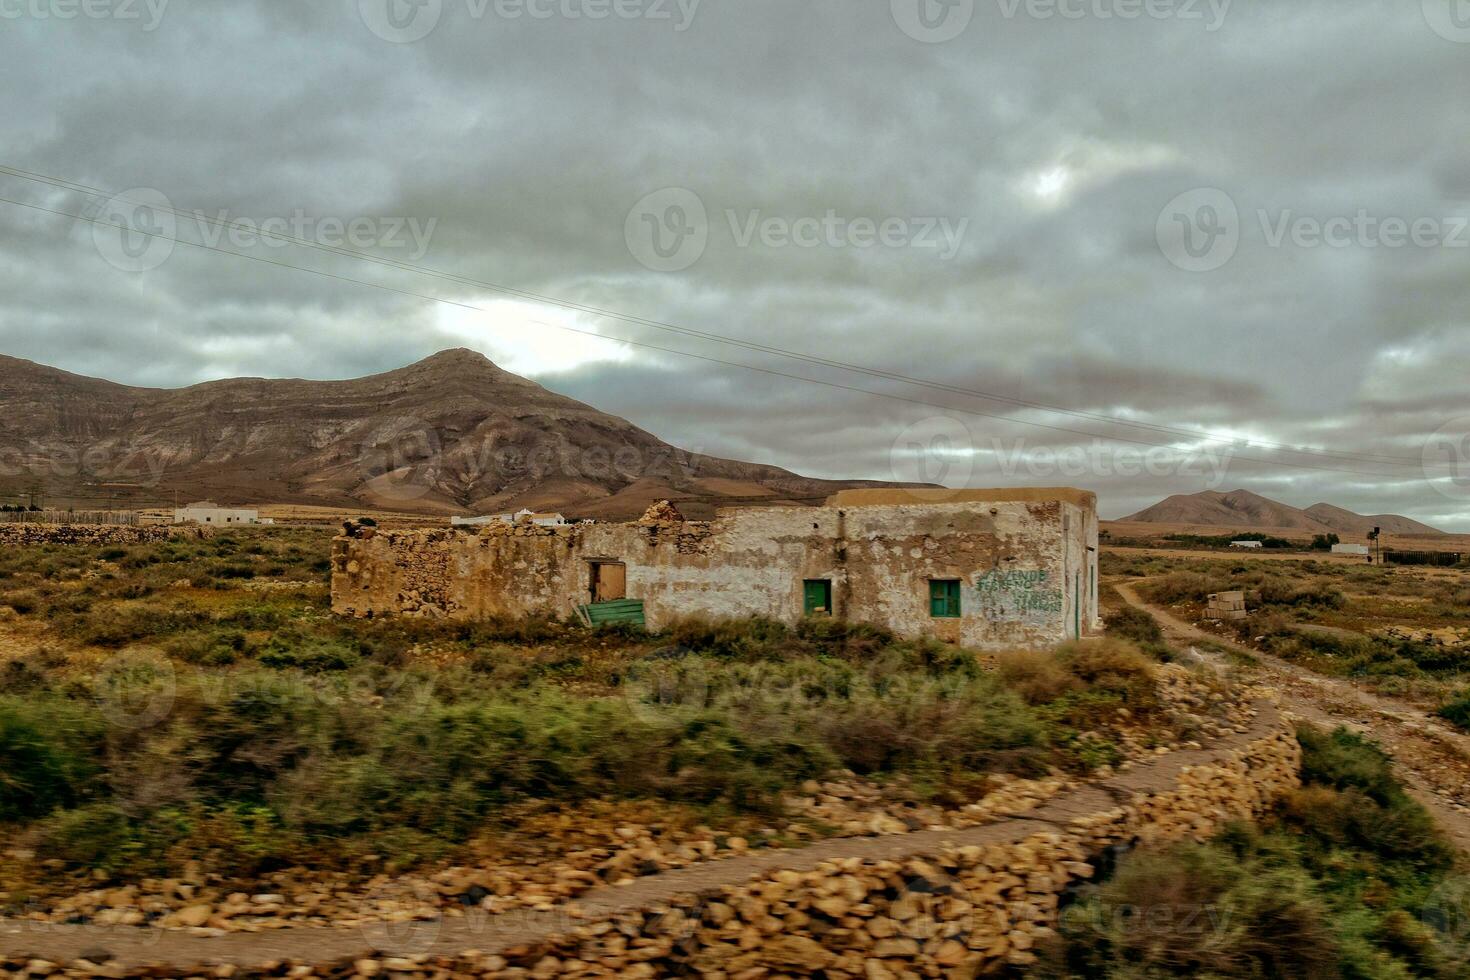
x,y
1197,911
1457,711
1179,587
1037,679
209,647
48,752
746,639
1139,627
1112,667
309,653
1336,885
1367,806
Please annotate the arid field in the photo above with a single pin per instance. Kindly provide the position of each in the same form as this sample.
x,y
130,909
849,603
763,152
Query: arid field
x,y
193,742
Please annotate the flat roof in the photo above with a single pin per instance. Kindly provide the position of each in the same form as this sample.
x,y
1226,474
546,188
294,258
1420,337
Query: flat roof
x,y
938,495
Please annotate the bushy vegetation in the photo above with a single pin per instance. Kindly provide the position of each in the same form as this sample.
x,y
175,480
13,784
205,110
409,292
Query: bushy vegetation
x,y
1457,710
1348,880
1139,627
1357,656
1263,588
229,715
1300,612
1226,540
307,756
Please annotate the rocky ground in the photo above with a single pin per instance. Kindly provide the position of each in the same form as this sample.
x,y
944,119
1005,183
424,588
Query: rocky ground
x,y
1433,759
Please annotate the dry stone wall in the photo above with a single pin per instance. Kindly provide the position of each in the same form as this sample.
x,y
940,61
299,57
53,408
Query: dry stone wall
x,y
963,910
960,903
95,534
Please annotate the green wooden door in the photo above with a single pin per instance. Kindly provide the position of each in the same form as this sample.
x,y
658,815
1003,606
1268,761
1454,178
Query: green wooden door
x,y
817,597
1077,607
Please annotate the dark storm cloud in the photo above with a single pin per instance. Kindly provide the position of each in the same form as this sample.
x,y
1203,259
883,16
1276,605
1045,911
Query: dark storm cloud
x,y
1020,168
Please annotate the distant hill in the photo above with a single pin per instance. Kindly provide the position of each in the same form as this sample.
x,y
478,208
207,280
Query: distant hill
x,y
450,434
1243,509
1346,522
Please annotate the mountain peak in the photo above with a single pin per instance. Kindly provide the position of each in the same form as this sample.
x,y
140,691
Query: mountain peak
x,y
1246,509
456,356
450,433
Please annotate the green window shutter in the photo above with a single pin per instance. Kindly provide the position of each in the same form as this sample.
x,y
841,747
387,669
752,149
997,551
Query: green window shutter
x,y
817,597
944,599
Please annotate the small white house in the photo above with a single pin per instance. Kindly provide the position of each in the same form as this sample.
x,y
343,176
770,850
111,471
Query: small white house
x,y
1245,544
521,516
1361,550
206,512
457,521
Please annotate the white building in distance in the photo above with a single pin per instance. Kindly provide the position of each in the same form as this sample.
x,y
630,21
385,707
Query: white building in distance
x,y
207,512
520,516
1245,544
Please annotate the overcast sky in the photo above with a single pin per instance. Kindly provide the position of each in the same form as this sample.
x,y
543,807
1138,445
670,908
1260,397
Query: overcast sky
x,y
1223,221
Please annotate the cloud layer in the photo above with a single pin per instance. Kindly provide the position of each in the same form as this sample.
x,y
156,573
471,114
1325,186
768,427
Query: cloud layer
x,y
996,196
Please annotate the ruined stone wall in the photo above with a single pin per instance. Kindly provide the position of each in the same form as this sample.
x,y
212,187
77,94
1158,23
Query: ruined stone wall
x,y
960,910
973,902
26,534
1027,568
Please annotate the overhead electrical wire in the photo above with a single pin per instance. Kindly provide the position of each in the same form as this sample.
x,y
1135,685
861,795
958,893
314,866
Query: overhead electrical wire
x,y
1191,434
684,353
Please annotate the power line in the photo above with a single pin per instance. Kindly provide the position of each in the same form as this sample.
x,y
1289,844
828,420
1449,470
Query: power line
x,y
1372,458
683,353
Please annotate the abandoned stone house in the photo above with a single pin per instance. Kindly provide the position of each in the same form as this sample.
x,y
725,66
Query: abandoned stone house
x,y
985,568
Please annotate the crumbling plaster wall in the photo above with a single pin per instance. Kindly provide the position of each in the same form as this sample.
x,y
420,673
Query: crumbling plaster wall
x,y
1027,574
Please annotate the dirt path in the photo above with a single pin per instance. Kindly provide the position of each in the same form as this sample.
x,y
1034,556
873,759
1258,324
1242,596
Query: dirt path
x,y
140,947
1432,758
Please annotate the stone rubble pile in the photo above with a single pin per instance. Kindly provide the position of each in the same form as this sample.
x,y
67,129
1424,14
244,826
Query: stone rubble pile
x,y
662,512
1446,636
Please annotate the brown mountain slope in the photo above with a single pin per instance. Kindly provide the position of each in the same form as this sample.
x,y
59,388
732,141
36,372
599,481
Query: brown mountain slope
x,y
1238,508
1243,509
1346,522
452,433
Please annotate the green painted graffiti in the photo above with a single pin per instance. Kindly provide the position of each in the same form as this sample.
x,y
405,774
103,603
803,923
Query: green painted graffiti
x,y
1017,594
